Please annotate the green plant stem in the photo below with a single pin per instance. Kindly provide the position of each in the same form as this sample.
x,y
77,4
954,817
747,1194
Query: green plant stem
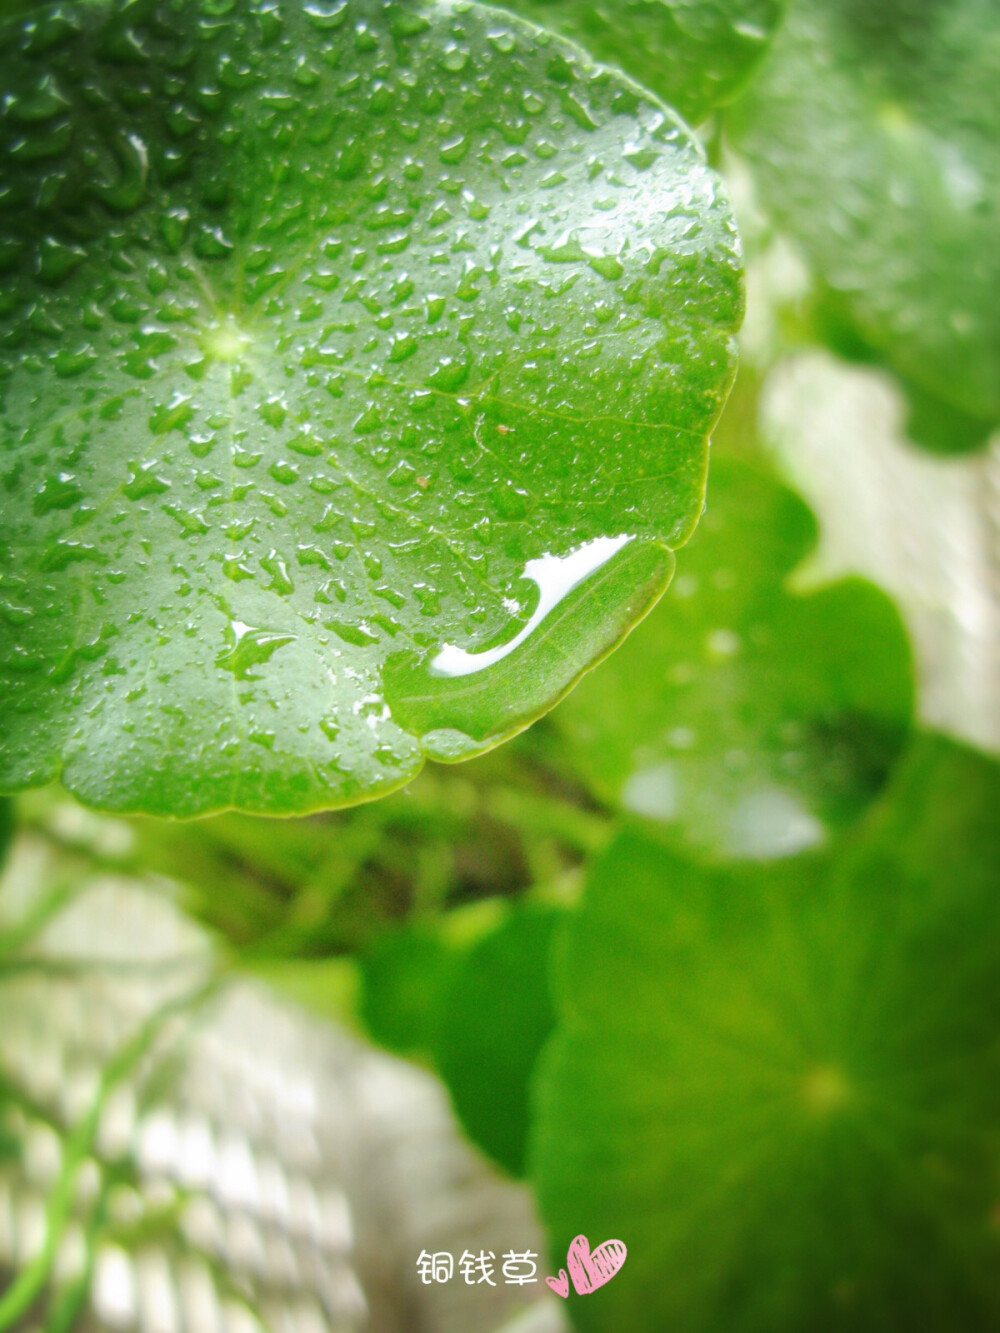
x,y
64,1310
534,813
46,966
35,920
21,1295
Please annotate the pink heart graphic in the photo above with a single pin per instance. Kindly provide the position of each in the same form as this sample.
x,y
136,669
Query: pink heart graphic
x,y
589,1268
560,1284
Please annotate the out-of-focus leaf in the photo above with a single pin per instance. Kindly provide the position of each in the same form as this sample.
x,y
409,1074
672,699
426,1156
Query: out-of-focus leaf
x,y
695,54
780,1085
403,978
470,995
357,367
931,421
750,720
939,426
497,1015
873,132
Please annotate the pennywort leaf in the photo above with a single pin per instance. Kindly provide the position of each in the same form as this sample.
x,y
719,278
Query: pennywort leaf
x,y
496,1016
774,1096
478,1010
356,366
767,718
695,54
872,132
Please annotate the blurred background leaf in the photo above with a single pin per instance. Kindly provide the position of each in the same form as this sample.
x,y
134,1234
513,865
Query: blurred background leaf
x,y
749,719
787,1102
404,979
497,1015
871,135
471,996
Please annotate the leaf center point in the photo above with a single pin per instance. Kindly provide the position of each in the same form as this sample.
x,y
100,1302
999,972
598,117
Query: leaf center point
x,y
225,341
825,1090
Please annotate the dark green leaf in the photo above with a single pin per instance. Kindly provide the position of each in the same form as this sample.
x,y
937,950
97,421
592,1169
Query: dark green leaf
x,y
695,54
873,132
787,1103
403,978
496,1016
751,720
477,1006
357,363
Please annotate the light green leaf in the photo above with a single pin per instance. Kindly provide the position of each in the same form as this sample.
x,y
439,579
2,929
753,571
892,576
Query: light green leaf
x,y
357,363
750,720
695,54
787,1104
872,131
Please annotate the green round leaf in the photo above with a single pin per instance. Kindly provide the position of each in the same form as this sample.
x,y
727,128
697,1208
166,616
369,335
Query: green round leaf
x,y
780,1086
749,720
496,1016
356,365
695,54
873,132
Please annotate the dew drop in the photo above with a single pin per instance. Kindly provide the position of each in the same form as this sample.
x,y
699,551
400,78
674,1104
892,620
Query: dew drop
x,y
57,492
326,17
57,261
250,646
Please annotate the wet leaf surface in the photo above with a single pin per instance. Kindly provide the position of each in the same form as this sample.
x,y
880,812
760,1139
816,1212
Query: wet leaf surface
x,y
357,363
695,54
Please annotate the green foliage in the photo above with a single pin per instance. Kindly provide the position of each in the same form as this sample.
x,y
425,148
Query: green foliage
x,y
357,364
404,975
695,54
10,1147
318,325
787,1101
332,885
477,1006
872,135
765,719
496,1016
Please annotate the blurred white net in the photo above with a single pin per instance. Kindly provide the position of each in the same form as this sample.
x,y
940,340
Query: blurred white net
x,y
259,1169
